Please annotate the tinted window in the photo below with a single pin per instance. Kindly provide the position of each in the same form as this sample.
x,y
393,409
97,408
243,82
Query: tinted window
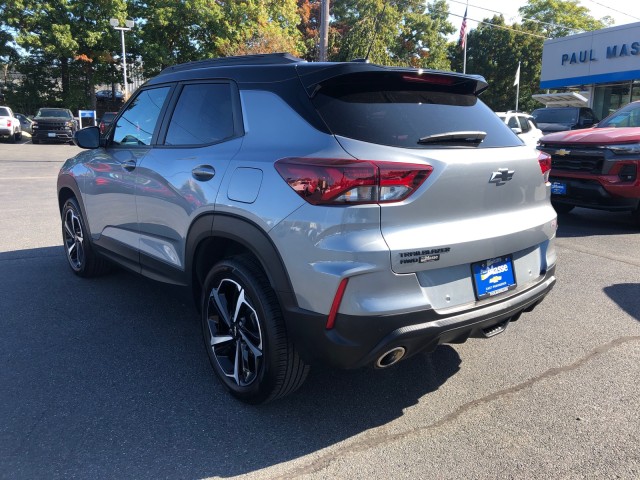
x,y
108,117
138,122
524,124
202,115
513,122
628,116
556,115
398,113
4,112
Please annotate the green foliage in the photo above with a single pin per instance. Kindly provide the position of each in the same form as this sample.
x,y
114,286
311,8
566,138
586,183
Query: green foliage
x,y
67,40
494,49
66,47
390,32
559,18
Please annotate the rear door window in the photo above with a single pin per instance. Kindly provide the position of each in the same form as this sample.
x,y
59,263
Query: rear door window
x,y
203,115
398,110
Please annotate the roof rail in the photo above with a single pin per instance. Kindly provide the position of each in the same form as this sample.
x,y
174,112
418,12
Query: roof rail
x,y
261,59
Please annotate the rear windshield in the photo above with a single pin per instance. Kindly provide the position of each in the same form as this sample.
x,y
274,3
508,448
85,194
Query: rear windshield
x,y
4,112
399,112
556,115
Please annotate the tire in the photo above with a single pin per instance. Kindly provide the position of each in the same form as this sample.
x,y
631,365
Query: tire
x,y
562,208
35,141
251,354
13,138
19,136
81,257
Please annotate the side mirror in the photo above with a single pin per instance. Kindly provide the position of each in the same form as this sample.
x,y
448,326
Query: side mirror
x,y
88,137
516,130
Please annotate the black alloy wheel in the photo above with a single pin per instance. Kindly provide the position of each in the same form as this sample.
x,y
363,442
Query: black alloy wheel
x,y
245,335
80,255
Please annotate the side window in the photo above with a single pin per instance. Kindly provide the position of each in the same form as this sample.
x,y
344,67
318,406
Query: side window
x,y
587,116
524,124
203,115
513,122
136,125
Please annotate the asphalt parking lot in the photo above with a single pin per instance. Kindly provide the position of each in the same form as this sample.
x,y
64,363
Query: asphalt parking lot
x,y
108,377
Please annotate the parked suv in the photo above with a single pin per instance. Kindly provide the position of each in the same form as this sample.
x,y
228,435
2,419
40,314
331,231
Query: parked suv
x,y
598,167
559,119
53,125
523,125
344,213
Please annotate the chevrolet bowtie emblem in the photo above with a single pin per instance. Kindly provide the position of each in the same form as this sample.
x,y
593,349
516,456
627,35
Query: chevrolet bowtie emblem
x,y
501,176
563,152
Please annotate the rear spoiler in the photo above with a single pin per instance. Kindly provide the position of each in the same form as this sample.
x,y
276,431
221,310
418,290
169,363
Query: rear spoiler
x,y
316,75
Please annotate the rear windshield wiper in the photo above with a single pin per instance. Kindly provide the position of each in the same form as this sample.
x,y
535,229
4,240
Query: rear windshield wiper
x,y
453,138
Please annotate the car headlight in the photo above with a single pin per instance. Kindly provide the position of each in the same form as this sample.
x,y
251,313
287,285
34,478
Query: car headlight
x,y
625,148
34,125
69,124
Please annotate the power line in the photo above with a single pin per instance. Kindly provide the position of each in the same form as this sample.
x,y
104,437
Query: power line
x,y
501,27
613,9
554,25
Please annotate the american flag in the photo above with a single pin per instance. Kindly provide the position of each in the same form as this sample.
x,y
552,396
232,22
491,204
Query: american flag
x,y
463,31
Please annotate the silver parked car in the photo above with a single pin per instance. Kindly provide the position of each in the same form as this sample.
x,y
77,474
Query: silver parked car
x,y
343,213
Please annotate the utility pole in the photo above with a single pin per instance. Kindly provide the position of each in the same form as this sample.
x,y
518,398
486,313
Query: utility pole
x,y
115,23
324,31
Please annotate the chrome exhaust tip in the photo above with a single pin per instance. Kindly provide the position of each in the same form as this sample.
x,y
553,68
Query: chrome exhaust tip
x,y
391,357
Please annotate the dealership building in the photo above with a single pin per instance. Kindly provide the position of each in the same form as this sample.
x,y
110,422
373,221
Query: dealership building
x,y
599,69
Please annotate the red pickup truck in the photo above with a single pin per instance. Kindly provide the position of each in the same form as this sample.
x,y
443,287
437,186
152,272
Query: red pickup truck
x,y
597,167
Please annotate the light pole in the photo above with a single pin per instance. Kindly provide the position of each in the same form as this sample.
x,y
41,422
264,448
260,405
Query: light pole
x,y
115,23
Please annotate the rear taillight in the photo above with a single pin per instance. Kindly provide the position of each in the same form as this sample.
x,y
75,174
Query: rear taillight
x,y
8,123
331,181
544,160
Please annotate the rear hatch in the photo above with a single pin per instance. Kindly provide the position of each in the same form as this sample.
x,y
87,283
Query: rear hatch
x,y
486,196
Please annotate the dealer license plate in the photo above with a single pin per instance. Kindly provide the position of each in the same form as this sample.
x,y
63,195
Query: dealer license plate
x,y
51,134
558,188
493,276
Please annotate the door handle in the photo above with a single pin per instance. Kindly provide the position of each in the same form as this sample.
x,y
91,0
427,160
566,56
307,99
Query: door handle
x,y
203,172
129,165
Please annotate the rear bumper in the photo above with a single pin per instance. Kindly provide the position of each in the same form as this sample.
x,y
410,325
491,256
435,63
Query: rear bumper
x,y
358,341
5,132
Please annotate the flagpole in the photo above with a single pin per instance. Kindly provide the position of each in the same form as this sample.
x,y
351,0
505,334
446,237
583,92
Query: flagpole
x,y
464,61
518,86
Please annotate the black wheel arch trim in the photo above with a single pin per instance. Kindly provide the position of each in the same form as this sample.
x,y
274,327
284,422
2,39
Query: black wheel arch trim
x,y
69,182
252,238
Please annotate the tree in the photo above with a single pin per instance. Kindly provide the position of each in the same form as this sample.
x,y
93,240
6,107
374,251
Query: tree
x,y
309,27
399,32
260,26
559,18
172,32
68,37
495,48
169,32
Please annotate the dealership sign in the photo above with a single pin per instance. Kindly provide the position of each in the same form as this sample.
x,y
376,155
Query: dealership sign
x,y
602,56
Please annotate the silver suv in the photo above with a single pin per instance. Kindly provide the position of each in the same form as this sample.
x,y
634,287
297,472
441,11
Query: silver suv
x,y
344,213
